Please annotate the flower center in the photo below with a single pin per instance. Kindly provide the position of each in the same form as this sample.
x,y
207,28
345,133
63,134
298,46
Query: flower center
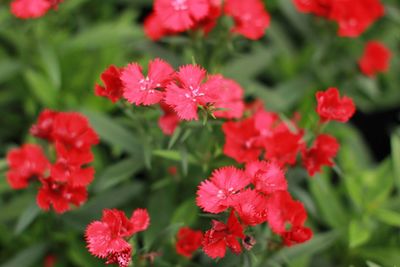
x,y
179,5
146,84
194,92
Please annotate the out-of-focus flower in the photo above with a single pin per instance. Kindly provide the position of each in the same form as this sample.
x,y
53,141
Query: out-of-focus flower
x,y
376,58
112,88
188,241
332,107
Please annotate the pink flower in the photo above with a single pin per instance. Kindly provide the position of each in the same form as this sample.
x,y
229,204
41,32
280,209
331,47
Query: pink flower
x,y
27,9
221,236
153,28
25,163
251,207
143,90
332,107
169,120
376,58
230,99
180,15
267,177
108,238
216,194
112,89
321,153
251,18
185,95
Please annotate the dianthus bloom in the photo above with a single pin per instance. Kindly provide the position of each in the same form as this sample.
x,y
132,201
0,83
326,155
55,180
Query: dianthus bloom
x,y
180,15
169,120
332,107
286,217
25,163
189,91
267,177
188,241
221,236
112,88
216,194
251,207
375,59
27,9
320,154
246,140
108,238
146,90
230,100
251,18
63,182
353,16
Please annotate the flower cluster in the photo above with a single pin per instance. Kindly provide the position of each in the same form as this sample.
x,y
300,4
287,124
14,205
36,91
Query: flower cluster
x,y
257,194
63,182
109,237
375,59
175,16
28,9
264,133
178,93
353,16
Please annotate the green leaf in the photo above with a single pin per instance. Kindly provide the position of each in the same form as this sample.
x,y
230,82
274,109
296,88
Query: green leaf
x,y
117,173
51,65
387,216
8,68
173,155
41,88
359,233
186,213
371,264
114,134
329,203
27,217
386,256
318,243
27,257
109,199
395,142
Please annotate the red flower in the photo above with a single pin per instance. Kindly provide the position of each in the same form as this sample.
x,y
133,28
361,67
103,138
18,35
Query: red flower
x,y
185,96
267,177
50,260
318,7
153,28
106,238
169,120
112,89
143,90
251,207
375,59
180,15
297,235
188,241
321,153
44,126
250,17
230,99
355,16
221,236
210,21
332,107
25,163
241,140
283,211
284,145
26,9
73,131
216,194
59,195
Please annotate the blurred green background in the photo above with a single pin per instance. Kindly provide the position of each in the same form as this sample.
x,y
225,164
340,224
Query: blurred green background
x,y
54,62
